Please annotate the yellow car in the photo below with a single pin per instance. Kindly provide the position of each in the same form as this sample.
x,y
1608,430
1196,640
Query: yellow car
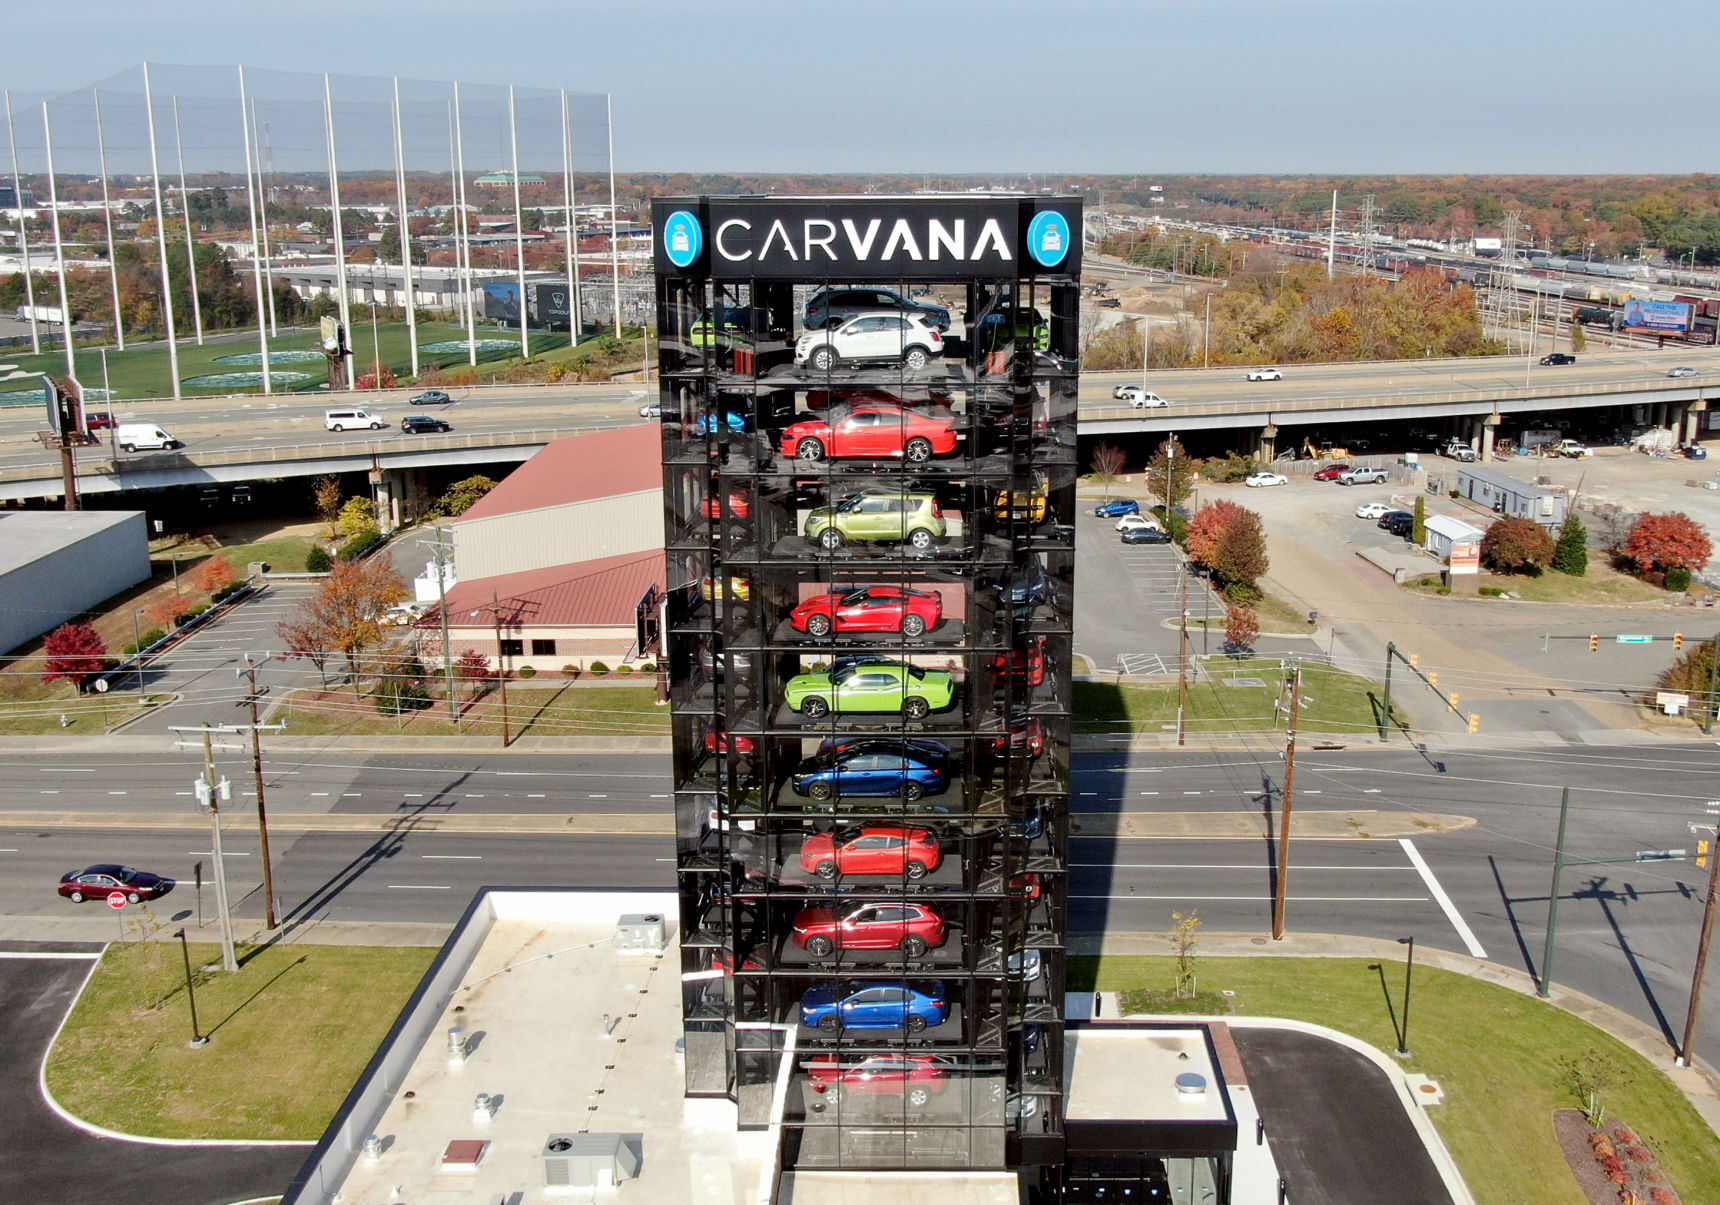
x,y
1022,506
736,586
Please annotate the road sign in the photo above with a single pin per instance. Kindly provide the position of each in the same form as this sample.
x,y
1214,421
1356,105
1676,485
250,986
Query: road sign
x,y
116,899
1661,855
1633,639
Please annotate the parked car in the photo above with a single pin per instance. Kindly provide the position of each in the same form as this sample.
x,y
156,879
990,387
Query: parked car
x,y
869,609
883,769
1363,477
348,419
734,418
1139,398
431,397
1137,522
719,741
737,586
1573,448
1373,510
1558,357
871,686
1460,452
890,849
1026,585
835,306
405,614
1265,374
1116,508
856,1005
914,1078
1025,735
1026,665
1398,522
1110,303
910,928
736,504
99,882
878,514
871,338
424,424
1683,370
871,430
1261,480
1145,535
1332,471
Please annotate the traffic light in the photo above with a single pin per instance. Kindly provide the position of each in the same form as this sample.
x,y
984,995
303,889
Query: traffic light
x,y
1594,643
1678,640
1454,697
1475,721
1433,679
1702,853
1414,660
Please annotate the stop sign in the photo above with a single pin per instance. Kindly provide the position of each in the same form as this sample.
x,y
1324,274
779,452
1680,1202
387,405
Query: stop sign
x,y
116,899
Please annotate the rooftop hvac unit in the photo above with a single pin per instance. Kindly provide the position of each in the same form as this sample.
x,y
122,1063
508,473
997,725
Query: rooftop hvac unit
x,y
641,933
575,1161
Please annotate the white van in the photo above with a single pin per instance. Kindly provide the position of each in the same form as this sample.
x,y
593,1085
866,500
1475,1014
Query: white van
x,y
146,436
346,420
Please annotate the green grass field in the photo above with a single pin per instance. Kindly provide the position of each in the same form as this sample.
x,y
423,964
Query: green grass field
x,y
1334,702
552,710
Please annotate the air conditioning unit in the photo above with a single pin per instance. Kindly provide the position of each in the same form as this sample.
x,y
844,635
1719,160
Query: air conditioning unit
x,y
641,933
583,1161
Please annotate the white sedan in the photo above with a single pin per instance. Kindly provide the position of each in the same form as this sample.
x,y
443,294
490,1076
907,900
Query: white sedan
x,y
1257,480
1372,510
1138,523
1139,397
1265,374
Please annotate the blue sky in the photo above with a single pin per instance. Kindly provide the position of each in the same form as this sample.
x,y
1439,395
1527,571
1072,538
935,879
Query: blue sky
x,y
946,86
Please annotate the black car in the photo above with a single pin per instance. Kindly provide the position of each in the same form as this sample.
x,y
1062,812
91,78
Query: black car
x,y
1399,523
832,307
431,397
1145,535
423,424
1394,516
1558,357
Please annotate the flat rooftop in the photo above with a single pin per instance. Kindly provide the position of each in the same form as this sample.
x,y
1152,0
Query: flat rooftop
x,y
1130,1073
26,536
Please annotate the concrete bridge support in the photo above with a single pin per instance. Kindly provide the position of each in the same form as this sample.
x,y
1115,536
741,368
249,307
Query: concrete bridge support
x,y
1489,430
1691,422
1266,446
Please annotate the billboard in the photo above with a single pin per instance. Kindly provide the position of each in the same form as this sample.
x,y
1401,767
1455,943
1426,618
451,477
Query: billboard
x,y
549,307
502,300
1657,316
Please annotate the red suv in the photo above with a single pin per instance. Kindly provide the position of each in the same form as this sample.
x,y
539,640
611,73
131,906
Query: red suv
x,y
869,609
915,1077
910,928
872,429
872,849
1331,471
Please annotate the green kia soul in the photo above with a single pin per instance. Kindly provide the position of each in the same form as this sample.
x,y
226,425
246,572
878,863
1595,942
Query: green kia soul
x,y
868,684
878,515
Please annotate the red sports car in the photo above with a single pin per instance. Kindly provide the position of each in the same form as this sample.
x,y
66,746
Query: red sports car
x,y
872,849
1027,887
910,928
739,505
872,429
1330,472
718,741
1025,665
915,1077
1025,734
869,609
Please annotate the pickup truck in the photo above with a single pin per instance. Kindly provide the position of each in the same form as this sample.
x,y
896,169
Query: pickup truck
x,y
1570,447
1362,477
1460,451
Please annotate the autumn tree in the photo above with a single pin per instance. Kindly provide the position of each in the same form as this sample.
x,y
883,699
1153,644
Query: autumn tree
x,y
325,493
76,653
1690,675
162,612
357,517
1240,556
461,497
1108,462
1418,521
377,376
1241,628
1170,473
474,669
1516,545
1571,553
1658,543
344,616
214,574
1207,525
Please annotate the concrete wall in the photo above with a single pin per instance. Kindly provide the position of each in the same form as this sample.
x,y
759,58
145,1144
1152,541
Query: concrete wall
x,y
47,590
559,535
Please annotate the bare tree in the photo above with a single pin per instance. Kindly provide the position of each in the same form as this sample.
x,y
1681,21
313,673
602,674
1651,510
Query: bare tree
x,y
1108,462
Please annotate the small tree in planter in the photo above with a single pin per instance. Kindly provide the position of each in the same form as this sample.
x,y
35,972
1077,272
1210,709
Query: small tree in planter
x,y
1241,628
474,669
1182,938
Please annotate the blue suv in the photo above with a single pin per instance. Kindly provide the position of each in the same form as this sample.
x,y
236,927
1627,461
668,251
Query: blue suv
x,y
1116,508
902,1006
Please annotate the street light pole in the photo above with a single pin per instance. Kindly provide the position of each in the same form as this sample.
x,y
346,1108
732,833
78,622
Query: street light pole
x,y
1546,988
209,794
1284,811
1408,965
198,1041
495,609
1687,1048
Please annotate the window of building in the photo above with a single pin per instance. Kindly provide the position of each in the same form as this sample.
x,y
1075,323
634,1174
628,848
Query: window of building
x,y
513,648
543,648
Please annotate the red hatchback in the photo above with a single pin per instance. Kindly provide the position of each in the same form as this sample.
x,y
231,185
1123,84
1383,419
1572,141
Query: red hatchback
x,y
1330,472
872,429
869,609
872,849
910,928
915,1077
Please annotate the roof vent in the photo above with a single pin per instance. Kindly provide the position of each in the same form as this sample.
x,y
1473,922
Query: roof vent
x,y
575,1161
1191,1083
641,933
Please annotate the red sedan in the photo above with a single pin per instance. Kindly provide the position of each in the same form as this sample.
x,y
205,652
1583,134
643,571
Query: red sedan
x,y
1330,472
718,741
869,609
99,882
910,928
1025,734
872,430
1027,665
915,1077
872,849
739,505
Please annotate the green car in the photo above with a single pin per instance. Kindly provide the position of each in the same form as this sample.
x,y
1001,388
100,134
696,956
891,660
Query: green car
x,y
891,686
878,515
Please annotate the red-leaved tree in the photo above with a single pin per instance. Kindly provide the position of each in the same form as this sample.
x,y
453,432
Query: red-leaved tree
x,y
1241,628
76,652
1516,544
473,668
214,574
1662,542
1206,529
380,376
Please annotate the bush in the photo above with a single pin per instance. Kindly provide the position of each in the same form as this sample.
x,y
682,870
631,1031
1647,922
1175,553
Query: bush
x,y
1175,525
226,592
1491,591
1430,581
648,668
526,671
360,544
598,669
144,641
624,669
1442,590
1678,579
570,671
317,560
1242,594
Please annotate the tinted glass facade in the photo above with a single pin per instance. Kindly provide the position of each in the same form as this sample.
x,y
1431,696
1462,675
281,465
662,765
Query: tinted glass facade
x,y
868,417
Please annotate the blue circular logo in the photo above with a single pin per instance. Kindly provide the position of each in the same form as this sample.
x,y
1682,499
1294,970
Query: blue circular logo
x,y
682,238
1048,238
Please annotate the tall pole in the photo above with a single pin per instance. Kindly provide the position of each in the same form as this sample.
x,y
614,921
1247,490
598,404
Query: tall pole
x,y
229,961
161,239
1206,351
501,663
59,251
1386,713
250,672
614,222
107,217
1182,657
190,237
1687,1048
1408,966
1713,684
572,236
447,658
1546,986
339,230
198,1041
405,232
462,235
1147,354
1280,889
1332,238
263,210
252,188
519,227
23,234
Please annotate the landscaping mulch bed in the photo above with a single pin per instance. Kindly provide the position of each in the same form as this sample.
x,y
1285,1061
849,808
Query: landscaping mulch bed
x,y
1622,1170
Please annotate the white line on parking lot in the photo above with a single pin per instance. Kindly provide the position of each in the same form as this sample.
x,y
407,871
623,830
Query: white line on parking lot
x,y
209,853
1457,921
66,769
416,887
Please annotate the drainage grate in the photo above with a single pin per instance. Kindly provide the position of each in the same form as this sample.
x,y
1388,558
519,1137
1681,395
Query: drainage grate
x,y
1243,681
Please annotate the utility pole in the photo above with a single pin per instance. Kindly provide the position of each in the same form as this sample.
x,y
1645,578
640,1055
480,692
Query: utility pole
x,y
1386,717
1546,988
1687,1048
1284,811
442,600
1713,676
1182,657
210,795
1206,351
495,610
251,697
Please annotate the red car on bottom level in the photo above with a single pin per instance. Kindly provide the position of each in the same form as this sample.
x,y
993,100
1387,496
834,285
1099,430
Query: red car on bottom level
x,y
914,1077
869,609
1026,666
891,849
910,928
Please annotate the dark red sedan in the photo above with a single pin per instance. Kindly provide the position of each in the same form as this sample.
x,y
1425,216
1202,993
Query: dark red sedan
x,y
910,928
872,849
915,1077
1331,471
99,882
869,609
872,430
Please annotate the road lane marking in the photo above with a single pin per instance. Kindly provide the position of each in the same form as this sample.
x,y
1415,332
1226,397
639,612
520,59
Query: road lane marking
x,y
416,887
66,769
1301,899
414,795
319,794
1149,792
597,797
453,857
56,792
537,796
1456,918
349,795
116,792
209,853
474,796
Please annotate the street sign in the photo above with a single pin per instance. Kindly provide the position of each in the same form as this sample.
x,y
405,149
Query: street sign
x,y
1633,639
116,899
1661,855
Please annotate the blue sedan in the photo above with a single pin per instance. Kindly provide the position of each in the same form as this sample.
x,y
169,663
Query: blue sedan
x,y
734,420
874,768
835,1007
1116,508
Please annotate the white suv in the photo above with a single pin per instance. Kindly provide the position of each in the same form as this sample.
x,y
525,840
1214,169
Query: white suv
x,y
891,337
1139,398
346,420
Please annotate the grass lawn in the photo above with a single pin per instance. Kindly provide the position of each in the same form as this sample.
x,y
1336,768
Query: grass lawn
x,y
289,1034
1496,1053
1335,702
283,554
1601,586
559,709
